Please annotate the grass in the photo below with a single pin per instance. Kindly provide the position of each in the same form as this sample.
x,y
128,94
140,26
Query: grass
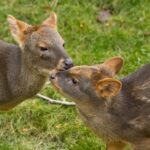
x,y
35,125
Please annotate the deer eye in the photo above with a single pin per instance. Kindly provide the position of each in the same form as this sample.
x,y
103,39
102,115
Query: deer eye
x,y
75,81
43,48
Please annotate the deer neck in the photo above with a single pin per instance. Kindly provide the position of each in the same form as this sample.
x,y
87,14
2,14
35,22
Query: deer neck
x,y
29,80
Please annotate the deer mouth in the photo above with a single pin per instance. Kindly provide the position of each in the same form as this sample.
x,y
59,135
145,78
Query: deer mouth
x,y
64,64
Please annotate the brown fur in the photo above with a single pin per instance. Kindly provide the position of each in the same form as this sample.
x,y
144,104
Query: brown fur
x,y
25,68
118,111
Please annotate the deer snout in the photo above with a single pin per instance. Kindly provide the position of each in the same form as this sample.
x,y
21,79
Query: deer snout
x,y
64,64
54,80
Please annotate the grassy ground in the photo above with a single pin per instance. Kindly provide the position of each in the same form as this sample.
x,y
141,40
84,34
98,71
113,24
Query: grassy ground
x,y
35,125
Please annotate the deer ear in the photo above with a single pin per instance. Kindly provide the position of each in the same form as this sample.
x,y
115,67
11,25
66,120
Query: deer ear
x,y
115,64
17,29
108,87
51,21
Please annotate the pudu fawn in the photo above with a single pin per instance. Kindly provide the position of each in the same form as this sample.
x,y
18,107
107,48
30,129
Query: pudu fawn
x,y
25,68
118,111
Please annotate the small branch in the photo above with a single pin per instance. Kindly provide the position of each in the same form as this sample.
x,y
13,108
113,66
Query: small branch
x,y
52,101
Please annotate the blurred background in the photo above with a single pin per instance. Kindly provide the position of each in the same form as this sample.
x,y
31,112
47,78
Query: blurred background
x,y
93,30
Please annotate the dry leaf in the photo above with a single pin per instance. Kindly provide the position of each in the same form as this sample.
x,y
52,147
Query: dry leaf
x,y
103,16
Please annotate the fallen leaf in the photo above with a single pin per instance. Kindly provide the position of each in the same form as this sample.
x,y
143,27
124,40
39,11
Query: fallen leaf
x,y
104,16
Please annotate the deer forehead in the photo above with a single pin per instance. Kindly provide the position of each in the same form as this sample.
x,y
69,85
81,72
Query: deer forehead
x,y
93,73
45,31
85,71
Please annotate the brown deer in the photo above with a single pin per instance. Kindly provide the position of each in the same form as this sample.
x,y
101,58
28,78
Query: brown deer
x,y
25,68
118,111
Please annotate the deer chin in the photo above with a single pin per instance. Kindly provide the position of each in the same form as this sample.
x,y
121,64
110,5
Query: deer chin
x,y
44,71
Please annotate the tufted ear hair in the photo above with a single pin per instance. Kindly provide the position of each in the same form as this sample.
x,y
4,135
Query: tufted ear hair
x,y
51,21
114,64
108,87
18,29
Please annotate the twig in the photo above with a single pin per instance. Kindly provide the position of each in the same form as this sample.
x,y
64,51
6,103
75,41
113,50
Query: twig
x,y
52,101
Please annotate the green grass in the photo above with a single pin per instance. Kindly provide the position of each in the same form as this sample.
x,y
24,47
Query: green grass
x,y
36,125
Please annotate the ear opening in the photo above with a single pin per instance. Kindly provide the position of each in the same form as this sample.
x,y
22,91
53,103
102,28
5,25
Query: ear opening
x,y
108,87
17,29
51,21
114,64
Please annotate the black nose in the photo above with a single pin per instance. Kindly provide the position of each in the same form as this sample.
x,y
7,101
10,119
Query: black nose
x,y
68,63
52,76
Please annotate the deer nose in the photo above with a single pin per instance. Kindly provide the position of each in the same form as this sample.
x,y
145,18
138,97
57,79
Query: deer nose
x,y
52,76
68,63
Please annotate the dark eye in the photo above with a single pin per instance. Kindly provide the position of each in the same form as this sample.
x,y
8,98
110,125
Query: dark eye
x,y
63,44
43,48
74,81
